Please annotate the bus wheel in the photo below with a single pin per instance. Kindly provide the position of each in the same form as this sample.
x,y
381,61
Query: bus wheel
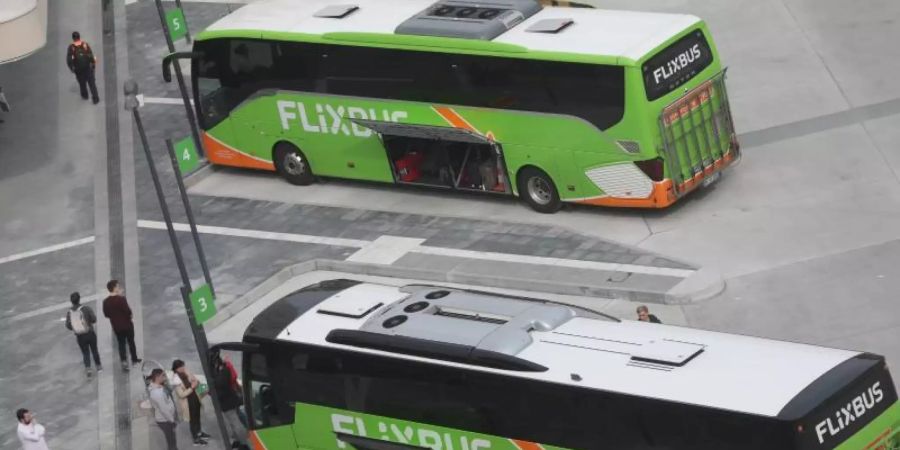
x,y
292,165
538,190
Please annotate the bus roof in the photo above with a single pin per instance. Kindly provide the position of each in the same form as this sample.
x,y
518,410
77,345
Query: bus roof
x,y
569,346
611,33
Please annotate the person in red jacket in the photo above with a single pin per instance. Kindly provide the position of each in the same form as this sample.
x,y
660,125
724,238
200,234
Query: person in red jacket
x,y
115,307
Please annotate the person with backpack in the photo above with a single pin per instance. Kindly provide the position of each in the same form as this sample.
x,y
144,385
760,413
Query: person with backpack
x,y
82,62
81,319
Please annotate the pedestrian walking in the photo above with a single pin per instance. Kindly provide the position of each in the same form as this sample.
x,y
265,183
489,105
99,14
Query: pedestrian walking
x,y
82,62
229,402
163,407
644,315
188,392
81,319
31,433
116,308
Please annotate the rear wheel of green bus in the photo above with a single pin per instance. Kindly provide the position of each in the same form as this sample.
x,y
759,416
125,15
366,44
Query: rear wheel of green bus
x,y
538,190
292,164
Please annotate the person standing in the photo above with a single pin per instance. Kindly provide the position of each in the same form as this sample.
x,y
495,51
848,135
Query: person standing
x,y
82,62
163,407
229,401
81,319
115,307
186,384
644,315
31,433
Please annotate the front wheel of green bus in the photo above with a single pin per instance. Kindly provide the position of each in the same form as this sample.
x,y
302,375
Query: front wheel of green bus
x,y
538,190
292,164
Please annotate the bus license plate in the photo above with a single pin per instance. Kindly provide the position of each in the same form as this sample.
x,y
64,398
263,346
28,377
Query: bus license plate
x,y
711,179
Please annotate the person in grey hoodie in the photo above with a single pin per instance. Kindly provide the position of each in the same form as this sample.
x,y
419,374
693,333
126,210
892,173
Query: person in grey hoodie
x,y
163,406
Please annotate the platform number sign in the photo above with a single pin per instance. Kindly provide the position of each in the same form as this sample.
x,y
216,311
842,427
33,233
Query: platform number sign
x,y
186,154
176,23
203,304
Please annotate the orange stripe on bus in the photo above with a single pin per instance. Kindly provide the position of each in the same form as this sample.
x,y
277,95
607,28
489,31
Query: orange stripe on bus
x,y
453,118
220,153
255,442
525,445
661,196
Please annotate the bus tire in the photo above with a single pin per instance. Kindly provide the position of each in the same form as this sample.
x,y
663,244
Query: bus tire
x,y
292,164
538,191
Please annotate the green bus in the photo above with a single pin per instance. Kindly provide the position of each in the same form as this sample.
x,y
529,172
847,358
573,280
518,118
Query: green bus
x,y
551,104
344,364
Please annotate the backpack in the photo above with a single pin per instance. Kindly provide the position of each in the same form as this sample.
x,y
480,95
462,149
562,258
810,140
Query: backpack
x,y
78,322
82,57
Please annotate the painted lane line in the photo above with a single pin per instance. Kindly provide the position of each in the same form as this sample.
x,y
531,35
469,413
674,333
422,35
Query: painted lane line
x,y
164,101
257,234
548,261
49,249
48,309
388,249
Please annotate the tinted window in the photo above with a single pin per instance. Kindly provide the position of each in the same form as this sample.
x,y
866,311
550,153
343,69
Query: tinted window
x,y
517,408
593,92
676,64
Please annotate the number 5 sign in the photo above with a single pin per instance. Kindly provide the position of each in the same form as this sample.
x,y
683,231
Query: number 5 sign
x,y
176,23
203,304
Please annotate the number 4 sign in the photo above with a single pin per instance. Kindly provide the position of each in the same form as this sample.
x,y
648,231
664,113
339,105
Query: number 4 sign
x,y
203,304
186,153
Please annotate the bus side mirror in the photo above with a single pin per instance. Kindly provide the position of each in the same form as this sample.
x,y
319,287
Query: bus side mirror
x,y
167,62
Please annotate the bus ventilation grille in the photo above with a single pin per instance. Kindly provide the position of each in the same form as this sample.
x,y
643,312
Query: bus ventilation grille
x,y
469,19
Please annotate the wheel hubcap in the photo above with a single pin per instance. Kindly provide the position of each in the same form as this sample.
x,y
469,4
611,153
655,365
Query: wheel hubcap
x,y
539,190
294,163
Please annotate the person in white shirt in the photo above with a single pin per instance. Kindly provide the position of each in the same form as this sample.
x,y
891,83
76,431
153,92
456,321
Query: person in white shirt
x,y
31,433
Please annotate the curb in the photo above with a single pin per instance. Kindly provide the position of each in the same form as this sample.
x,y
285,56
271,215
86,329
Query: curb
x,y
704,284
192,179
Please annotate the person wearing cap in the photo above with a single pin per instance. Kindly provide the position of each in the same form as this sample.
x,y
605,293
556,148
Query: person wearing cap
x,y
163,406
31,433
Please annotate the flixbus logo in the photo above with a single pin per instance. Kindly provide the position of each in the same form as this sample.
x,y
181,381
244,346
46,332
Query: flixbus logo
x,y
329,119
854,410
405,433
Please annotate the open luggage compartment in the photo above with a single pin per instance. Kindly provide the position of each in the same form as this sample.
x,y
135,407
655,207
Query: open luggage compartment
x,y
442,157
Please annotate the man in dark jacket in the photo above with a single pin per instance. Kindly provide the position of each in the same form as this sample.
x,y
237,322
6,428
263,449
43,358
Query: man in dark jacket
x,y
82,62
81,319
229,401
115,307
644,315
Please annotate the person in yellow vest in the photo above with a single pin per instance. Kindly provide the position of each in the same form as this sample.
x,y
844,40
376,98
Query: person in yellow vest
x,y
82,62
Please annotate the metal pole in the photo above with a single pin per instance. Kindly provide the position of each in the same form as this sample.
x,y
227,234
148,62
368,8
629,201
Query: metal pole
x,y
197,330
181,84
187,29
190,215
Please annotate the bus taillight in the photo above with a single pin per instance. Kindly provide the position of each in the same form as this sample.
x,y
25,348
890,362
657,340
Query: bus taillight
x,y
653,168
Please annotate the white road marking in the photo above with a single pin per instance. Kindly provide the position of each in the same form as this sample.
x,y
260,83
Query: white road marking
x,y
48,309
49,249
128,2
164,101
548,261
257,234
386,250
393,248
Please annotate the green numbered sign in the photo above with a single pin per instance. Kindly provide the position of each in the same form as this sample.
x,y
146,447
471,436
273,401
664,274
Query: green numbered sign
x,y
186,153
203,303
176,23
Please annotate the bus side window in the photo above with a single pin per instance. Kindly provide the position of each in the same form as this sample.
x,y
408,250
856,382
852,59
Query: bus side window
x,y
263,405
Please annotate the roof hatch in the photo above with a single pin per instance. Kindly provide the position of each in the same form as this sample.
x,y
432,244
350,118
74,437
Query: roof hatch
x,y
336,11
469,19
550,26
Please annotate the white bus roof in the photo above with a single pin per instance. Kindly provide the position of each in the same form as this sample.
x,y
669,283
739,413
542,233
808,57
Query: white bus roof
x,y
611,33
731,372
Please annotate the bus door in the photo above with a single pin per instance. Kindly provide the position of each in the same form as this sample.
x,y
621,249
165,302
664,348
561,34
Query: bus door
x,y
439,156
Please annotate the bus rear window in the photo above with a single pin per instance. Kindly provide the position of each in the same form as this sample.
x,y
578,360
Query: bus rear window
x,y
676,64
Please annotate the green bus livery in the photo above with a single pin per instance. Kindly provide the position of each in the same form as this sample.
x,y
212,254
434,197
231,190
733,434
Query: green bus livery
x,y
552,104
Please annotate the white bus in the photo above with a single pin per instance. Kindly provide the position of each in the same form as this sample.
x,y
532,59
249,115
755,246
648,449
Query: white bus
x,y
343,364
